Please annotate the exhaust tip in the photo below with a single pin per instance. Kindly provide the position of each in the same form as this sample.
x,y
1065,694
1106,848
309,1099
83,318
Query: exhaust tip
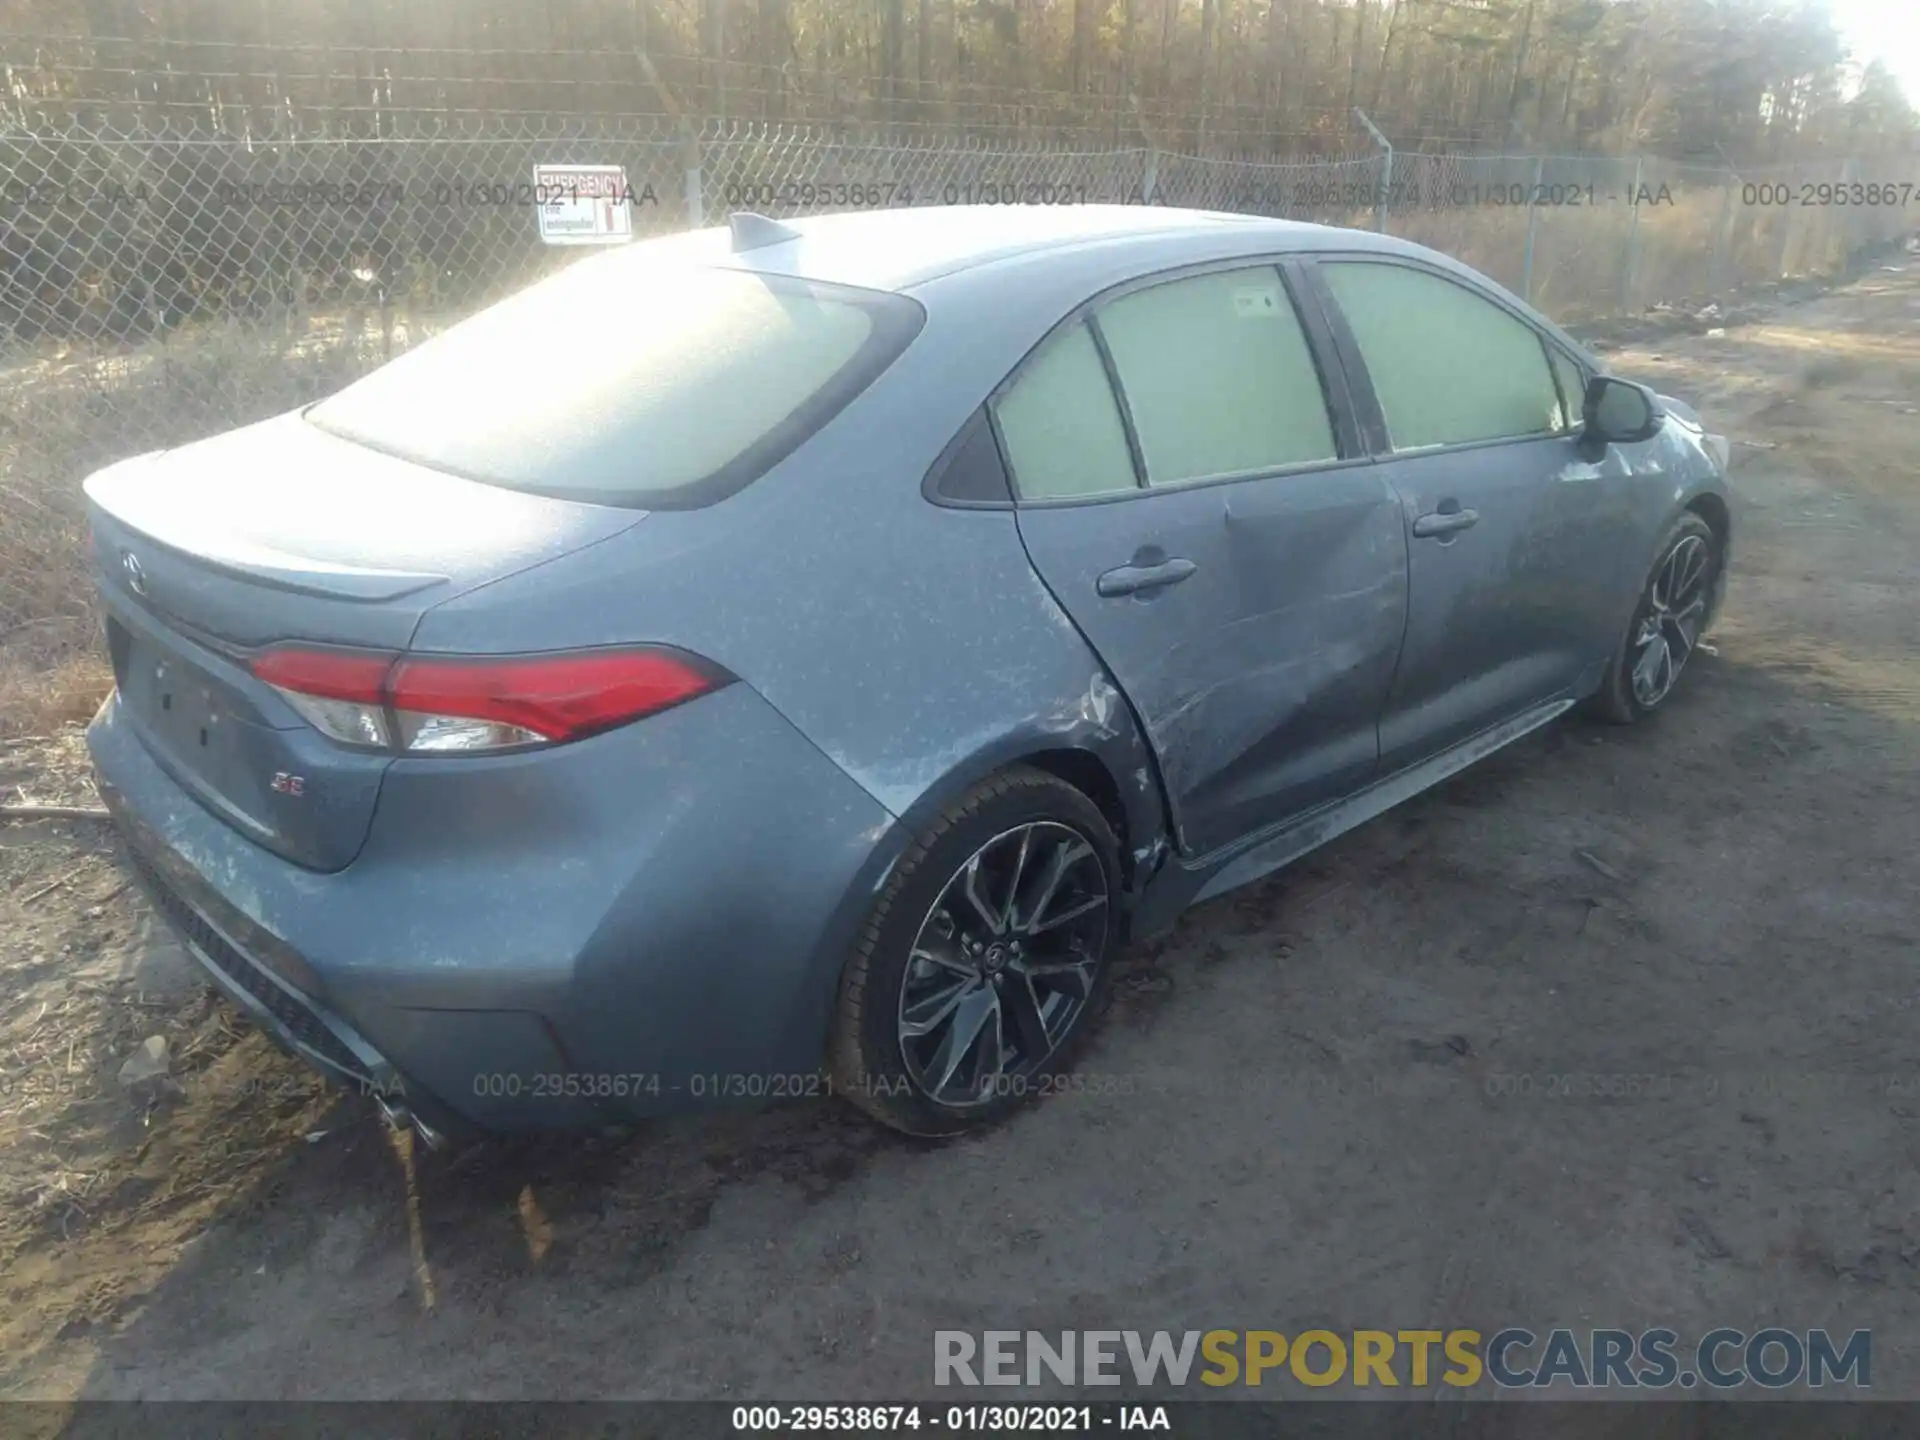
x,y
400,1117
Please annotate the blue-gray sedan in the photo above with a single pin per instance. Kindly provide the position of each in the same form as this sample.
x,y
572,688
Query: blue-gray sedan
x,y
794,658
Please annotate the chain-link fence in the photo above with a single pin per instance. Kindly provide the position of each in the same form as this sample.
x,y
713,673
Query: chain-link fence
x,y
164,279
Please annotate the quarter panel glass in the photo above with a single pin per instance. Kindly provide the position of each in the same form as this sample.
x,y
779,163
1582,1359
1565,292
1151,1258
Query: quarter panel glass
x,y
1061,423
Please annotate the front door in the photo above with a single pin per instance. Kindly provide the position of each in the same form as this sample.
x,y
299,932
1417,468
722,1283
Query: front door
x,y
1184,496
1513,536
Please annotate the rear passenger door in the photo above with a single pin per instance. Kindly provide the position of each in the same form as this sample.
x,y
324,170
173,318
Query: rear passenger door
x,y
1513,536
1192,490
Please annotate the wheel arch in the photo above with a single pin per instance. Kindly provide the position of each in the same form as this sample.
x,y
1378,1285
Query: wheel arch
x,y
1111,765
1092,741
1087,773
1712,508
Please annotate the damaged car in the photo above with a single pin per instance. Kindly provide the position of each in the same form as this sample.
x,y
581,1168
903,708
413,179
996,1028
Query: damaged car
x,y
793,658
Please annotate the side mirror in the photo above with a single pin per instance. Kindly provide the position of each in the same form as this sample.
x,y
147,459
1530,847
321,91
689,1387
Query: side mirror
x,y
1619,412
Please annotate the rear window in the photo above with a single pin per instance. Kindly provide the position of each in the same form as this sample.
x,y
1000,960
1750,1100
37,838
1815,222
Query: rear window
x,y
624,382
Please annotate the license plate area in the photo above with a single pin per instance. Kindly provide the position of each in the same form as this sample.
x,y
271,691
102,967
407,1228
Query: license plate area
x,y
180,705
283,786
210,737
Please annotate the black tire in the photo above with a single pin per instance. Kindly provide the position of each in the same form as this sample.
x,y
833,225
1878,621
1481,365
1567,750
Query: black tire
x,y
1619,700
868,1056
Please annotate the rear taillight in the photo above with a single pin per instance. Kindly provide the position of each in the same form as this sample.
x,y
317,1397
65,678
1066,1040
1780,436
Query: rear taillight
x,y
445,703
341,693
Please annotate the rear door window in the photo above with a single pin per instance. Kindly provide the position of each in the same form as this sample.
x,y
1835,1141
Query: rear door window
x,y
1218,377
1449,367
625,381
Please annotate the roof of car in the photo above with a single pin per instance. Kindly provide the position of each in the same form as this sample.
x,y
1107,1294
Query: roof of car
x,y
898,249
962,252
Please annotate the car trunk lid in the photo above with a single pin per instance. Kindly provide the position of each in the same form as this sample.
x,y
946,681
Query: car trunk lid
x,y
282,532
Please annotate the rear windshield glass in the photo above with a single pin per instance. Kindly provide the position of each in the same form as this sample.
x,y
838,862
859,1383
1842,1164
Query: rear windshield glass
x,y
628,382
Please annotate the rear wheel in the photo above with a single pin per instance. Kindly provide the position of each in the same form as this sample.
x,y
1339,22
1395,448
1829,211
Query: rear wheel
x,y
984,961
1666,626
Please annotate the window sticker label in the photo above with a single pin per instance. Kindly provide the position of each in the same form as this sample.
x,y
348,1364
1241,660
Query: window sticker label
x,y
1257,302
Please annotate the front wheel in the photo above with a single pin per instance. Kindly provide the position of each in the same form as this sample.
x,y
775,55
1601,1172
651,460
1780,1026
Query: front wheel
x,y
1666,626
984,961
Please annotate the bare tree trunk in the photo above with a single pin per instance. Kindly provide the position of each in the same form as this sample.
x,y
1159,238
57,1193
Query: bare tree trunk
x,y
1168,9
1786,115
1386,59
953,42
1077,51
1481,91
776,40
1359,48
1444,107
1022,59
1277,21
713,42
1519,72
922,56
893,24
1566,105
1209,21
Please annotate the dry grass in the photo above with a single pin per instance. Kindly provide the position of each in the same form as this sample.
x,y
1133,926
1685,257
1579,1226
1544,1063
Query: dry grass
x,y
39,696
102,1186
1580,252
64,414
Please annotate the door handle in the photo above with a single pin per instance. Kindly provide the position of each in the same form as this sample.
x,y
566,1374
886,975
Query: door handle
x,y
1138,579
1445,522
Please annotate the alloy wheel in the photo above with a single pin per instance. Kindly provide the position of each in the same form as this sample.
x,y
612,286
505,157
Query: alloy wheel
x,y
1004,963
1670,624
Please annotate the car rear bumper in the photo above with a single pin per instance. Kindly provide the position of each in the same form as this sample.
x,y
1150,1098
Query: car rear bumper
x,y
648,921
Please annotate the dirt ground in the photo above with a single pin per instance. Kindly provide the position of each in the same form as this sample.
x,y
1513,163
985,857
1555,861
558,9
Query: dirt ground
x,y
1337,1099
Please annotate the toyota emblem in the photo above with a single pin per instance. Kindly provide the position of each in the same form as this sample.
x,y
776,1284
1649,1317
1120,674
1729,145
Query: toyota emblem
x,y
136,575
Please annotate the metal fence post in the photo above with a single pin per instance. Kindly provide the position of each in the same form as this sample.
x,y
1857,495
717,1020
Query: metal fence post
x,y
1723,236
1386,169
1848,171
1533,227
696,203
691,158
1786,239
1633,240
1150,176
689,138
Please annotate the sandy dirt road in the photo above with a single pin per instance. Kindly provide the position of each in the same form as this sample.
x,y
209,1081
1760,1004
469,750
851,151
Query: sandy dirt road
x,y
1617,1029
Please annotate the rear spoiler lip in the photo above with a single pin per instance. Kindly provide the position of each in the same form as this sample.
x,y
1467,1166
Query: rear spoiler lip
x,y
244,560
